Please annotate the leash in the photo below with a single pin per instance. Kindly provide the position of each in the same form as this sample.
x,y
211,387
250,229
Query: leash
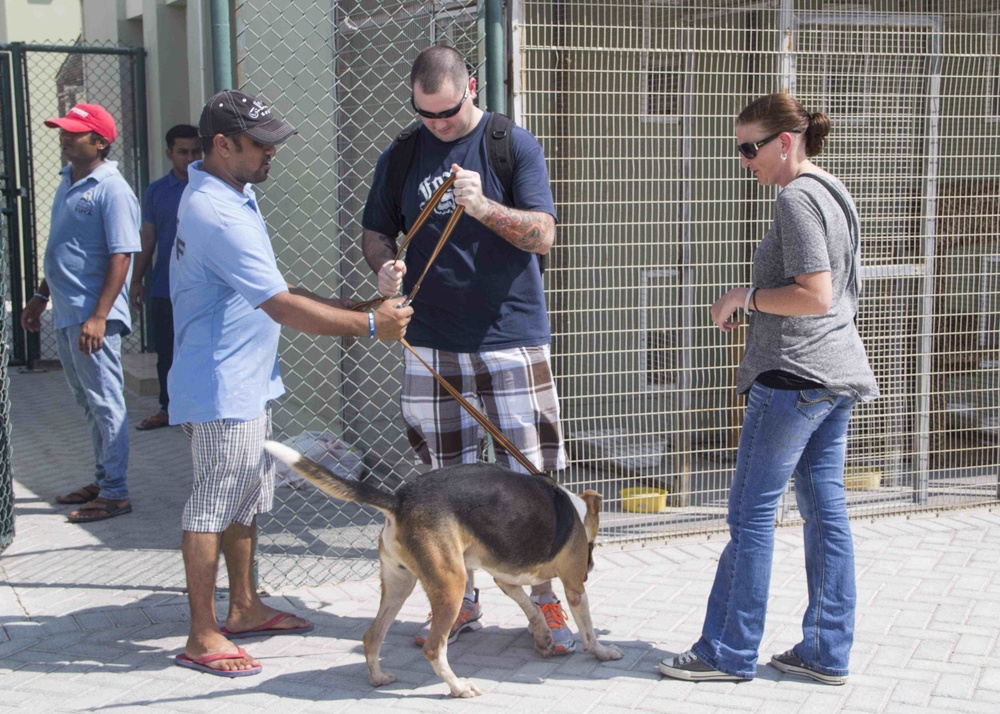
x,y
432,203
478,416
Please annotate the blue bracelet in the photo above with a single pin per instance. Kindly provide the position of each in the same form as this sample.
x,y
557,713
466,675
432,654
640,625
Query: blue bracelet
x,y
371,325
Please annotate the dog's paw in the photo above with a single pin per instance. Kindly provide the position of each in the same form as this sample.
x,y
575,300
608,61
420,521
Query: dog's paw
x,y
464,689
381,678
542,635
606,652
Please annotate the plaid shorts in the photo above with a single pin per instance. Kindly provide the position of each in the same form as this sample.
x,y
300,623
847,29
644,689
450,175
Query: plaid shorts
x,y
233,475
514,390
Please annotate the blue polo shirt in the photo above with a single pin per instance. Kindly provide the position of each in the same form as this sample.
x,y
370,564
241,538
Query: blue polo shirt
x,y
222,268
92,219
159,208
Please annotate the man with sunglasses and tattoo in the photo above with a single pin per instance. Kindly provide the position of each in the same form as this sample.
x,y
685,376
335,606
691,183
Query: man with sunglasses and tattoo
x,y
804,369
480,318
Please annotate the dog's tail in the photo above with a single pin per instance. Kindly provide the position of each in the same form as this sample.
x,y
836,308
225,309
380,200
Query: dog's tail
x,y
329,482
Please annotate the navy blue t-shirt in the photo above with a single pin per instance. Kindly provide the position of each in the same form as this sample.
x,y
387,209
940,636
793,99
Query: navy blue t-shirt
x,y
481,293
163,196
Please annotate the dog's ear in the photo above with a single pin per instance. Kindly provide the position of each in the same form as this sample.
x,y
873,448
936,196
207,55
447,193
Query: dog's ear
x,y
593,500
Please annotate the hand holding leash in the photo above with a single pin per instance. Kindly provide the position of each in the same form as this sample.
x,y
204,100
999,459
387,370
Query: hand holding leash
x,y
390,277
391,319
468,191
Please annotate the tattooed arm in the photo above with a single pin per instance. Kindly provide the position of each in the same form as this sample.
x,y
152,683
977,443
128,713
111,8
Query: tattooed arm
x,y
530,231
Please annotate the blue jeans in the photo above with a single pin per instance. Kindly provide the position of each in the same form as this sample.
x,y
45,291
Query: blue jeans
x,y
98,382
785,431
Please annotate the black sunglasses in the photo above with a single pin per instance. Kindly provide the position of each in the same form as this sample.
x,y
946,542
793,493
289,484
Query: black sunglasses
x,y
446,114
750,148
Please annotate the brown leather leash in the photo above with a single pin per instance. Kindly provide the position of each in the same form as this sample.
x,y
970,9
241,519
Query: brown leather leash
x,y
432,203
478,416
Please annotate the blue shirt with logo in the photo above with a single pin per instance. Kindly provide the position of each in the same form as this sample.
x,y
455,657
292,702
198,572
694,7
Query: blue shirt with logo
x,y
92,219
159,208
222,268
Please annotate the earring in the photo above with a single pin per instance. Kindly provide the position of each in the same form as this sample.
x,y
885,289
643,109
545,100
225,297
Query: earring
x,y
784,156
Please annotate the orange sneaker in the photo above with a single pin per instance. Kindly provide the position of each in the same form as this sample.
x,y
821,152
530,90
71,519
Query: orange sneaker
x,y
467,621
555,618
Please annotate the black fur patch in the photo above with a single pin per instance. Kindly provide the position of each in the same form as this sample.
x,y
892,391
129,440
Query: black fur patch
x,y
521,519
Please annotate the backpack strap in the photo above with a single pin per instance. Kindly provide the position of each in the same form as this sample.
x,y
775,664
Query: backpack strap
x,y
499,150
401,153
500,155
853,223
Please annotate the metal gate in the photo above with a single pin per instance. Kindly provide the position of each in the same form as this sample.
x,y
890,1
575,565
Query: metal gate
x,y
6,477
633,102
38,83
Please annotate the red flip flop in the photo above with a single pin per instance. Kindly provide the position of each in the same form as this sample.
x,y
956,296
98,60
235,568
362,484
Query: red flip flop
x,y
201,664
268,628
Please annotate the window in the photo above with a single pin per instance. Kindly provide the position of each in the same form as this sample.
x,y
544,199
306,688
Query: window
x,y
659,334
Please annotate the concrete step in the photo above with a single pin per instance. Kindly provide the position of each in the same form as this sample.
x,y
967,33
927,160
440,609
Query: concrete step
x,y
140,374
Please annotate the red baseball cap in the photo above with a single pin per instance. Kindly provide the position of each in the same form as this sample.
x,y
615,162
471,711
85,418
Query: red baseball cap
x,y
86,117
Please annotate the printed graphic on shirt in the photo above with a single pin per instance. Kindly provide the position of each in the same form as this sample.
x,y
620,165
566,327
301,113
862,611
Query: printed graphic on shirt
x,y
86,203
427,188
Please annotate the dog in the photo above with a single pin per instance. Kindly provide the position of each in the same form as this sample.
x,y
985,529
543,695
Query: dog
x,y
522,529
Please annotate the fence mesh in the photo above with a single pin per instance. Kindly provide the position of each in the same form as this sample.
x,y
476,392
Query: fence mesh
x,y
6,475
56,78
633,102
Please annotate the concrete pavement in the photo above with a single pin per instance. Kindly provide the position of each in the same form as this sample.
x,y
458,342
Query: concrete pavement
x,y
91,616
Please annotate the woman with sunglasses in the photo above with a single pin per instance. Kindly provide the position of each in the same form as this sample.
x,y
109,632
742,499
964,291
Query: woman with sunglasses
x,y
804,369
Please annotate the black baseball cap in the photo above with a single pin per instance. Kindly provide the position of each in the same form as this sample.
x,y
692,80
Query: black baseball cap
x,y
233,112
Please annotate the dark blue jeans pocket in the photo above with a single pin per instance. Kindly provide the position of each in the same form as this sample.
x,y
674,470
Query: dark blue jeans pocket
x,y
815,404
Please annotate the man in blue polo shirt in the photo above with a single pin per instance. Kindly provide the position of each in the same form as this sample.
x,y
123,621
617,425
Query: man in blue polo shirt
x,y
230,301
159,226
94,232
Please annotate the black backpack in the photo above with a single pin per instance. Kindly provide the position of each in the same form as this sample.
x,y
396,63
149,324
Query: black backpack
x,y
498,152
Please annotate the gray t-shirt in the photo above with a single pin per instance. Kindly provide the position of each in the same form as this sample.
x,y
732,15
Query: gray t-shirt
x,y
810,234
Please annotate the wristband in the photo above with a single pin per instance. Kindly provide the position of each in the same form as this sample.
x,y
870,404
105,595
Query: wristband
x,y
43,297
371,325
746,303
754,301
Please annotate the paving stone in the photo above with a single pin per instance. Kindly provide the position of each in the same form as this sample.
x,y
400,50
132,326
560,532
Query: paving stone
x,y
90,618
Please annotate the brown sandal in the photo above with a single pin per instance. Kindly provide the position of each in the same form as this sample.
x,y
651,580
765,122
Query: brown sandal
x,y
102,509
80,496
156,421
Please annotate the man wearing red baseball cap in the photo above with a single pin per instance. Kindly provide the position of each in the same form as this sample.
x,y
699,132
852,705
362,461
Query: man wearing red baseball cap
x,y
94,232
84,118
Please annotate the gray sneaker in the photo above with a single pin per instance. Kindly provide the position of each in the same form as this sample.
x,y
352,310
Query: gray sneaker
x,y
555,618
467,621
688,666
789,663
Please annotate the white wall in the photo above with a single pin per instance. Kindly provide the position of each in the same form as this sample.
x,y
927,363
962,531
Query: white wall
x,y
174,34
40,21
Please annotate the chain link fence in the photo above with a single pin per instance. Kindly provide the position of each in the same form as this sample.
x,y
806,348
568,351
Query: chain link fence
x,y
634,102
341,77
55,77
6,475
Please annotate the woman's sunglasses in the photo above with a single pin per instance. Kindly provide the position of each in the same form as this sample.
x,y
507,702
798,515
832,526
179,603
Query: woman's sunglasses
x,y
750,148
446,114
